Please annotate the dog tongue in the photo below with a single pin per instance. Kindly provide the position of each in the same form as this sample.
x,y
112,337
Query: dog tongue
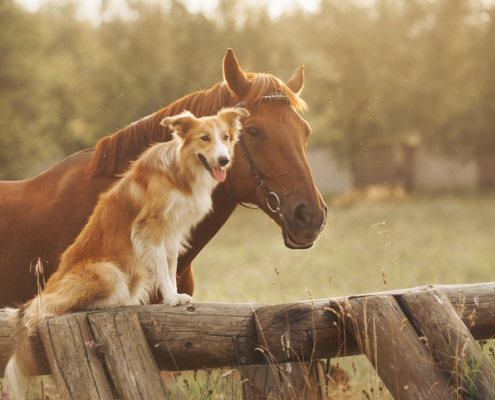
x,y
219,174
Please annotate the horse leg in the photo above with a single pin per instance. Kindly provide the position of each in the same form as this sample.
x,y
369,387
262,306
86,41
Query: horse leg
x,y
185,281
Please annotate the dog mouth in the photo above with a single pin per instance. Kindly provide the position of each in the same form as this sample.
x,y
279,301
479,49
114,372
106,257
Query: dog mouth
x,y
218,173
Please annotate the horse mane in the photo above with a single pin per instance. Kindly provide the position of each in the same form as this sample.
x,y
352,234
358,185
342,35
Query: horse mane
x,y
113,154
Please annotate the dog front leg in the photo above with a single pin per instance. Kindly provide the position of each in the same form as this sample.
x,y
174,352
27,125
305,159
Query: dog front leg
x,y
165,282
154,257
172,267
172,258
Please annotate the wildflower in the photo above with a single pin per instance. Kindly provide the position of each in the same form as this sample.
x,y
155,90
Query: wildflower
x,y
47,386
58,395
46,394
90,343
5,396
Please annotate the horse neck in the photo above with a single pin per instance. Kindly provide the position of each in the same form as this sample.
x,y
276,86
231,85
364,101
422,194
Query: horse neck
x,y
114,153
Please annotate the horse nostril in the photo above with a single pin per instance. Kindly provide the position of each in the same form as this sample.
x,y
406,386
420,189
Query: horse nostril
x,y
301,215
223,161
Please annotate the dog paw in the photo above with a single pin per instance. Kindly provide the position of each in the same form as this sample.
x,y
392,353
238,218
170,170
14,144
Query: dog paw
x,y
177,299
184,299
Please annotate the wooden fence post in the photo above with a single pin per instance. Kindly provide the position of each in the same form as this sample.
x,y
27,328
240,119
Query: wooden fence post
x,y
296,380
394,349
75,366
285,332
451,343
127,355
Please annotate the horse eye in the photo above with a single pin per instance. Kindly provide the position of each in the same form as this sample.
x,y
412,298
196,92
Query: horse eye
x,y
205,138
252,132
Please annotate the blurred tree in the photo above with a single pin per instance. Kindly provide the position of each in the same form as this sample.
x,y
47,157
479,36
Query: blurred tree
x,y
24,118
366,68
396,72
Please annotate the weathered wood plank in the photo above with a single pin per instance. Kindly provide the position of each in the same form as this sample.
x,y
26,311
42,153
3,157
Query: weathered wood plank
x,y
394,349
75,366
127,355
450,343
281,381
302,331
202,336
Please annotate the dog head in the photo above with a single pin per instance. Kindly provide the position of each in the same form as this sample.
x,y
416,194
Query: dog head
x,y
208,140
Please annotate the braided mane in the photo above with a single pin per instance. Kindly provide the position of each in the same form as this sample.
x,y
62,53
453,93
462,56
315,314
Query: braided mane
x,y
113,154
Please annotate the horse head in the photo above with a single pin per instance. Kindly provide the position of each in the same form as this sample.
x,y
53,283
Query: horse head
x,y
270,167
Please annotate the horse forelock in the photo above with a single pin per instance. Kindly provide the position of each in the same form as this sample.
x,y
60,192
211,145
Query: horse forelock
x,y
113,154
262,84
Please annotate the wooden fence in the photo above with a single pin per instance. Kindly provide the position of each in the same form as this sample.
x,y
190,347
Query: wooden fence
x,y
414,338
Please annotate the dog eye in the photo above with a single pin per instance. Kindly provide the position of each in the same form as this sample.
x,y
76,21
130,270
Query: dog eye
x,y
226,137
205,138
252,132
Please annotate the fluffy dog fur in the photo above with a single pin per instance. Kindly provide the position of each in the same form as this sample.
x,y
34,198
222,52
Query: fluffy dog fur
x,y
130,245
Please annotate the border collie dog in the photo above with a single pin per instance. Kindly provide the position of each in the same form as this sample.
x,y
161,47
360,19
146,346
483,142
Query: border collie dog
x,y
128,250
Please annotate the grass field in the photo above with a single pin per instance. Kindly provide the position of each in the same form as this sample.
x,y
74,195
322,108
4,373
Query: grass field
x,y
441,240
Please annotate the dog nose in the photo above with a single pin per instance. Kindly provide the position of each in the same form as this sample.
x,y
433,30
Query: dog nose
x,y
223,161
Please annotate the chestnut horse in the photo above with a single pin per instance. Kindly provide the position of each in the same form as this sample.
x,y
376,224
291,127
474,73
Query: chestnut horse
x,y
41,217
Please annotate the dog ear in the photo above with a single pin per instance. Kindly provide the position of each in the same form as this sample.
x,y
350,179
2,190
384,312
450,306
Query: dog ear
x,y
180,124
232,116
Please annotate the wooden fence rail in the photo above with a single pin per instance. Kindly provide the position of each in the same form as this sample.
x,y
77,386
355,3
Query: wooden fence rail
x,y
214,335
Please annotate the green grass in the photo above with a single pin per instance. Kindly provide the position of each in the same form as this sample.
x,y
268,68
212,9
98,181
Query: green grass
x,y
445,240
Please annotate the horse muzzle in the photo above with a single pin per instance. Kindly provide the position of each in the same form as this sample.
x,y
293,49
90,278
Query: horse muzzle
x,y
303,228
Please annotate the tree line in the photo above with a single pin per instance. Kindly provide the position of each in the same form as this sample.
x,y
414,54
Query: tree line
x,y
395,72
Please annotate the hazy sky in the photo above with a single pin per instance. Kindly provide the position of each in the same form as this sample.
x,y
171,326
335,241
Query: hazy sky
x,y
90,8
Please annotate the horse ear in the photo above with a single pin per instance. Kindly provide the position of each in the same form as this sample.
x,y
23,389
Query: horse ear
x,y
234,76
180,124
231,117
296,82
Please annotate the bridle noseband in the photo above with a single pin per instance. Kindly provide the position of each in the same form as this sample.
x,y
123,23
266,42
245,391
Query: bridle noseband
x,y
258,180
277,209
254,170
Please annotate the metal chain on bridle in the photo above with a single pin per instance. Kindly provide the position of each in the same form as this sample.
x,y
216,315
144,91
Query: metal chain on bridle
x,y
254,170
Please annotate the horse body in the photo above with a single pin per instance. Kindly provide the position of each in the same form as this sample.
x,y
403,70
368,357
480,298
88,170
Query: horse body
x,y
42,216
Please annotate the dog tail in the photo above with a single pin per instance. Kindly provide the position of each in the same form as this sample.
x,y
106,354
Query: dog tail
x,y
22,363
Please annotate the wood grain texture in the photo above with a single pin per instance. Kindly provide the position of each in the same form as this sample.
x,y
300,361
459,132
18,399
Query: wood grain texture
x,y
127,355
200,334
301,332
450,343
394,349
77,370
281,381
